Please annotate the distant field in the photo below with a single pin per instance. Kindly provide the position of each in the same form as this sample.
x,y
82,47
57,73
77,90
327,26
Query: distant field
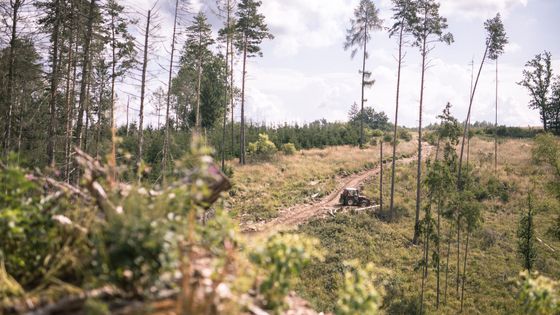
x,y
261,190
493,264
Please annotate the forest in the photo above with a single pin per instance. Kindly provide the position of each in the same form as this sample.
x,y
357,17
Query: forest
x,y
135,177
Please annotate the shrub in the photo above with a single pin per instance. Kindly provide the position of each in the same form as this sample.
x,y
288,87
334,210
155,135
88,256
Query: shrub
x,y
399,211
357,294
388,137
377,133
262,149
404,135
282,259
289,149
538,294
555,229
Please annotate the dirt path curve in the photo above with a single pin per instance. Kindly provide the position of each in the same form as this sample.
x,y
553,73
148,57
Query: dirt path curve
x,y
292,217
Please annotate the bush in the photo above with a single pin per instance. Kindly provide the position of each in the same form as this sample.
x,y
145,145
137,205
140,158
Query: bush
x,y
262,149
289,149
377,133
388,138
282,259
555,229
357,294
404,135
538,294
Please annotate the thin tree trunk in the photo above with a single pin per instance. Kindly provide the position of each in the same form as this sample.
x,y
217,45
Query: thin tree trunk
x,y
15,9
198,87
395,137
426,260
381,176
69,104
99,116
54,85
85,76
458,251
419,166
438,253
496,125
465,269
466,127
223,148
142,97
168,104
363,85
127,107
231,98
72,115
447,267
113,161
87,112
242,145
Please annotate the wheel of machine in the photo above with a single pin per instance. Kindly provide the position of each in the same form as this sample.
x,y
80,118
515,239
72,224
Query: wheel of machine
x,y
350,202
365,203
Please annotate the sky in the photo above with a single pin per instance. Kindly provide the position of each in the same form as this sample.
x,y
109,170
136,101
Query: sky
x,y
306,74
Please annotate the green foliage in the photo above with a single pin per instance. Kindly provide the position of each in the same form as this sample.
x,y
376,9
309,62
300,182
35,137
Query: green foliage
x,y
372,119
282,258
405,135
537,78
366,20
526,238
131,246
29,234
250,24
262,149
289,149
538,295
555,228
358,295
496,38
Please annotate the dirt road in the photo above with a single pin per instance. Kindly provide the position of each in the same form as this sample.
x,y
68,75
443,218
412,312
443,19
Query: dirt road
x,y
292,217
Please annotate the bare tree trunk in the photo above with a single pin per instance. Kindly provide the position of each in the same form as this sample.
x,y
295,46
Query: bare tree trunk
x,y
242,146
142,97
87,112
466,128
16,5
395,136
168,105
426,260
381,176
438,254
99,116
496,125
127,107
223,148
85,77
232,100
69,101
458,251
419,167
54,85
113,161
447,267
465,269
198,87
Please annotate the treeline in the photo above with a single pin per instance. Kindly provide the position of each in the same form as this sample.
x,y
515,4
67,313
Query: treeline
x,y
65,64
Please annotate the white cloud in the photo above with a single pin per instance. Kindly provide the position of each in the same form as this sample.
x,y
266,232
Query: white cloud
x,y
479,8
306,24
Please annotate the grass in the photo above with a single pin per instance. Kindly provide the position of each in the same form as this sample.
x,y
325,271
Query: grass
x,y
493,263
261,190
